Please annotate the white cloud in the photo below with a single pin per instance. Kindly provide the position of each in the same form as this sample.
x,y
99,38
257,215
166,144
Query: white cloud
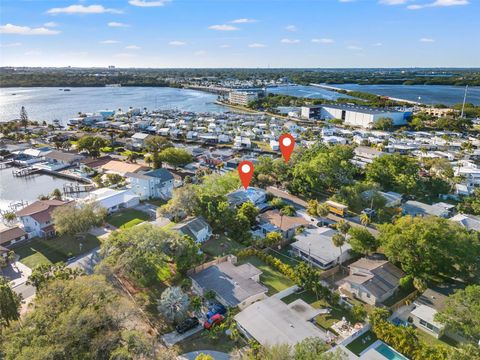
x,y
109,42
257,45
143,3
125,55
26,30
323,41
346,1
15,44
290,41
32,53
224,46
393,2
291,28
200,53
50,24
117,24
354,47
243,21
439,3
177,43
377,44
132,47
82,9
223,27
426,40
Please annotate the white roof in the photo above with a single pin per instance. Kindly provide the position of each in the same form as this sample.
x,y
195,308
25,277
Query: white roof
x,y
426,313
109,198
271,322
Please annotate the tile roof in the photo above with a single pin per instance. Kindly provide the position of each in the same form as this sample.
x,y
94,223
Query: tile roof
x,y
9,234
121,167
283,222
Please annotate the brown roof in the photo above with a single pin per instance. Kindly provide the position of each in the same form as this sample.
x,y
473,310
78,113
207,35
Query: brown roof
x,y
9,234
94,163
283,222
122,167
41,210
62,156
368,264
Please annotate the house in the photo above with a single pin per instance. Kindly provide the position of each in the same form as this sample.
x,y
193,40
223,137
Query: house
x,y
372,281
12,235
138,140
273,220
392,199
417,208
197,228
255,195
58,160
316,247
233,285
427,306
469,222
121,167
36,218
273,322
112,200
155,184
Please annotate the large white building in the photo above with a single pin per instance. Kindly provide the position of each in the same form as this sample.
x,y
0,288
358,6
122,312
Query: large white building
x,y
359,116
242,97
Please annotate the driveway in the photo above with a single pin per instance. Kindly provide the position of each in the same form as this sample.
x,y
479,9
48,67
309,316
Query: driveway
x,y
17,272
217,355
172,338
86,261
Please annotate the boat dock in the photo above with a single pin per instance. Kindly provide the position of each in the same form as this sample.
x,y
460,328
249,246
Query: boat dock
x,y
26,171
75,188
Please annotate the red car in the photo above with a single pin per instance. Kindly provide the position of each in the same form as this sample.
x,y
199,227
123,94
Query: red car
x,y
214,320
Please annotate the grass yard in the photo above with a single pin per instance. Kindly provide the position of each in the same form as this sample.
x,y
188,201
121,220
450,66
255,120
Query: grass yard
x,y
157,202
271,278
221,246
432,341
361,343
202,341
285,257
127,218
50,251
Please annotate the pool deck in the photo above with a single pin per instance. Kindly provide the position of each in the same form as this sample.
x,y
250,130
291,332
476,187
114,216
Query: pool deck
x,y
370,353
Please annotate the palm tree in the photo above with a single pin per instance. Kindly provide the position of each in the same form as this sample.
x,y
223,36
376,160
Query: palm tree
x,y
9,217
322,210
364,219
339,240
343,227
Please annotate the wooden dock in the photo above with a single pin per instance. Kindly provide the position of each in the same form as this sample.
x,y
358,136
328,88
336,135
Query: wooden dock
x,y
24,172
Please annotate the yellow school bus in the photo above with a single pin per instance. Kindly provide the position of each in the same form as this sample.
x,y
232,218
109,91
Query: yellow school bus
x,y
337,208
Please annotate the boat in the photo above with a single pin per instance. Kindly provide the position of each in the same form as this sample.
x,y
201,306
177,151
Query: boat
x,y
66,89
14,94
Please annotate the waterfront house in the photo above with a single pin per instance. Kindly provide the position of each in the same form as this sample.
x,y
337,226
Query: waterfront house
x,y
233,285
113,200
57,160
36,218
11,235
372,281
195,227
316,247
155,184
121,167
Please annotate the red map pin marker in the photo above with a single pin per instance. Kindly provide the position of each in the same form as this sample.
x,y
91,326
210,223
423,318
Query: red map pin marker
x,y
287,143
245,171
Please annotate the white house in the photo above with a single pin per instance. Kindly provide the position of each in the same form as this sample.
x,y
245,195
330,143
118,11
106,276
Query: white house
x,y
155,184
138,140
197,228
113,200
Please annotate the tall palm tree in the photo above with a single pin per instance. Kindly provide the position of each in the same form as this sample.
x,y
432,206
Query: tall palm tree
x,y
364,219
339,240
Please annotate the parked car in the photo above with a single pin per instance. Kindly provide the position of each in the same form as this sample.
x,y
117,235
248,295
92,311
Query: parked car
x,y
187,324
214,320
216,309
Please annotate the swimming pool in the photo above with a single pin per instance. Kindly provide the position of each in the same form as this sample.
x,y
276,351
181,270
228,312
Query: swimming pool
x,y
389,353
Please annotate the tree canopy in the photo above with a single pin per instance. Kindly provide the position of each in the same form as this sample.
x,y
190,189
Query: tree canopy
x,y
91,144
78,218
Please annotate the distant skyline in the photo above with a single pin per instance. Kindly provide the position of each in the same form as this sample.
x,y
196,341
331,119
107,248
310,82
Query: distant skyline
x,y
234,33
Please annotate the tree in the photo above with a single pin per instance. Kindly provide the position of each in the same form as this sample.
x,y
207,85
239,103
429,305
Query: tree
x,y
175,157
273,238
322,210
56,194
23,118
362,241
184,202
77,219
359,312
43,274
312,206
431,246
343,227
462,312
312,348
83,318
385,124
10,217
9,303
364,219
395,172
288,210
114,179
339,240
174,304
154,145
203,356
91,144
250,211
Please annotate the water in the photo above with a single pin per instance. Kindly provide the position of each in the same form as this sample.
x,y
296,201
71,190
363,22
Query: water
x,y
49,103
310,92
429,94
389,353
14,189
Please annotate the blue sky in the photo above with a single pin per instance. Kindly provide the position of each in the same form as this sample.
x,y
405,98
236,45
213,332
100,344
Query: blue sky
x,y
240,33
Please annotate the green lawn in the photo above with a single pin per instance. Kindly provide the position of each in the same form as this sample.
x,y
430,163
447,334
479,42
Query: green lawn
x,y
157,202
221,246
50,251
202,341
433,341
271,278
285,257
361,343
127,218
